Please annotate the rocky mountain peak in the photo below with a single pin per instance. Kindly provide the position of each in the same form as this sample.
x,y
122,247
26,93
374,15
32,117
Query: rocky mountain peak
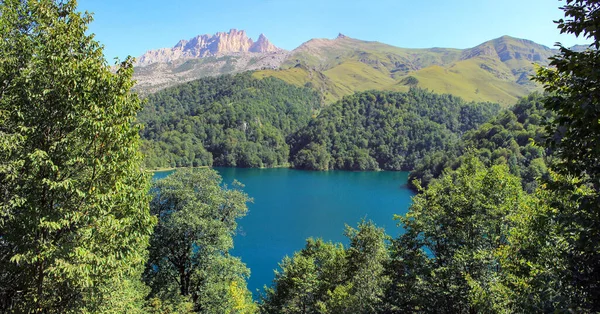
x,y
234,41
263,45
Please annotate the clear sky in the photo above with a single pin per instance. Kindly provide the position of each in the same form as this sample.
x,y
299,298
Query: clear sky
x,y
129,27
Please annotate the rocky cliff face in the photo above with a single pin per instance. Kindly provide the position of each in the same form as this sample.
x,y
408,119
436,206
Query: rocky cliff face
x,y
202,46
263,45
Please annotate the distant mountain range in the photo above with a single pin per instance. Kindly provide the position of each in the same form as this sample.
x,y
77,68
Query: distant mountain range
x,y
497,70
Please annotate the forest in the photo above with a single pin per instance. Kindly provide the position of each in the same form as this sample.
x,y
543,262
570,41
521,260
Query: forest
x,y
505,219
246,122
235,121
385,130
509,138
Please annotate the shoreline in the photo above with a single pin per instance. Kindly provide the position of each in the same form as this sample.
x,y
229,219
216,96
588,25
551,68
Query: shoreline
x,y
200,167
276,167
172,168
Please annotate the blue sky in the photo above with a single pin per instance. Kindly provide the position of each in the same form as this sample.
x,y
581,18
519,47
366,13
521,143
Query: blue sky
x,y
128,27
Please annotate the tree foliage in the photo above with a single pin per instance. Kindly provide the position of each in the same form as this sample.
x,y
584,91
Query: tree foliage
x,y
74,220
385,130
328,278
189,259
510,138
572,86
224,121
453,230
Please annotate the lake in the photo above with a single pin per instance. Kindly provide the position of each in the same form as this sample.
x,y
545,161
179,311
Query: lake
x,y
293,205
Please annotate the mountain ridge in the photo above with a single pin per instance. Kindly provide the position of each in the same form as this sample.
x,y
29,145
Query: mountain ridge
x,y
206,45
497,70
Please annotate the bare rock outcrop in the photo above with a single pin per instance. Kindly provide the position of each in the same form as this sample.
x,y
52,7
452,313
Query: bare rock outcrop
x,y
221,43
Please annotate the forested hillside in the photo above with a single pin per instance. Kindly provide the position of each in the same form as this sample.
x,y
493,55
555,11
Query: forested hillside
x,y
385,130
511,138
225,121
247,122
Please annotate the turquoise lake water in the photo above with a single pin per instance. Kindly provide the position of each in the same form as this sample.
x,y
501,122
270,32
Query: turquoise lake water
x,y
293,205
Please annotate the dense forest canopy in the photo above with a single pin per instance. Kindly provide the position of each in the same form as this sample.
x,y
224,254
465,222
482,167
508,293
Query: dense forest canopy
x,y
511,138
385,130
224,121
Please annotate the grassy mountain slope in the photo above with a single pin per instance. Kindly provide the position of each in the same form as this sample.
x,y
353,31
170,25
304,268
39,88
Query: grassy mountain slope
x,y
478,79
303,76
496,71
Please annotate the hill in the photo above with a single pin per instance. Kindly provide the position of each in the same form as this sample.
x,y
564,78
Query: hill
x,y
385,130
224,121
242,121
496,71
509,138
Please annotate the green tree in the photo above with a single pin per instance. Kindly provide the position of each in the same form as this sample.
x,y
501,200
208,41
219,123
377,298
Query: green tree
x,y
536,274
326,278
74,219
453,229
189,259
367,257
305,279
571,82
572,86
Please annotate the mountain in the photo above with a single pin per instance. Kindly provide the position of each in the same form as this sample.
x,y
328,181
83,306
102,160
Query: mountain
x,y
203,46
205,55
498,70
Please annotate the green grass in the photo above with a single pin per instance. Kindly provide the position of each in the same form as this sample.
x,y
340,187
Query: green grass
x,y
355,76
467,79
344,66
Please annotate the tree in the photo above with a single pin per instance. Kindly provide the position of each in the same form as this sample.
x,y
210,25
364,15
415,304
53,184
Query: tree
x,y
536,263
571,82
74,219
446,257
189,250
326,278
572,86
367,257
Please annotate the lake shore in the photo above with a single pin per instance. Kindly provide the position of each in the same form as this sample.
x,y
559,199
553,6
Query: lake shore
x,y
286,166
173,168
